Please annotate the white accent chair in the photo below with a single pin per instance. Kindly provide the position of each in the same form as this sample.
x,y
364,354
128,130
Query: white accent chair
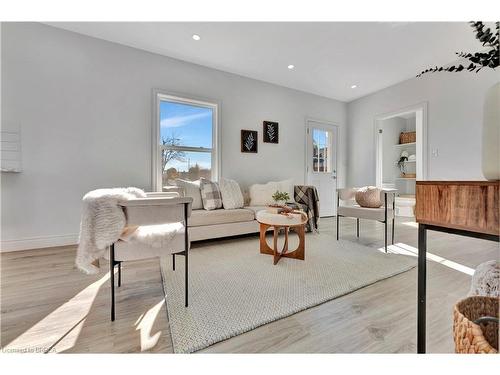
x,y
347,207
155,209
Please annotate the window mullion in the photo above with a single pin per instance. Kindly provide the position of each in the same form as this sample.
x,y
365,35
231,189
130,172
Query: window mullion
x,y
186,148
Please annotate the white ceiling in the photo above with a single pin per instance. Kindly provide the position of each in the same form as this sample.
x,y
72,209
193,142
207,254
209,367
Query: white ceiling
x,y
328,57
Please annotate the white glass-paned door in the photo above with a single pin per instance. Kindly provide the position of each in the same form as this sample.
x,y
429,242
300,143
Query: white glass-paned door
x,y
322,164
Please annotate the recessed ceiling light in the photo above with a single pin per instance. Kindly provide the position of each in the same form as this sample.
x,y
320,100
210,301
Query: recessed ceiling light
x,y
291,66
354,86
196,37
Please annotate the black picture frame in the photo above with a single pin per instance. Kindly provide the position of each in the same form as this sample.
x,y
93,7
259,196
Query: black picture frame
x,y
249,141
271,132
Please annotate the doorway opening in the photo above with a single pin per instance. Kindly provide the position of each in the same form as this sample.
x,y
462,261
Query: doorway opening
x,y
321,163
401,154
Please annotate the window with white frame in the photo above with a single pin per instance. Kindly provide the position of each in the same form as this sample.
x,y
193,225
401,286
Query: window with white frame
x,y
186,140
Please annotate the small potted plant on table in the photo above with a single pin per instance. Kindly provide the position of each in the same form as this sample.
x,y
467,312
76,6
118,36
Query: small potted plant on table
x,y
280,198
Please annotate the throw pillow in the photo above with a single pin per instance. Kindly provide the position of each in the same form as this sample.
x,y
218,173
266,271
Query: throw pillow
x,y
231,194
287,186
191,189
368,196
262,194
210,194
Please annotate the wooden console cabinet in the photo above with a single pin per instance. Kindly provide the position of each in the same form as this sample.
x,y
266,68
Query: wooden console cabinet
x,y
467,205
467,208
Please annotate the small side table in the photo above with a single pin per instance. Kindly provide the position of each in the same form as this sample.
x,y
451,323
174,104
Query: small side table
x,y
295,220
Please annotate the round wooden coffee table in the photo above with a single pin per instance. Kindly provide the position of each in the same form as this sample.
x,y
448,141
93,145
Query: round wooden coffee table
x,y
295,220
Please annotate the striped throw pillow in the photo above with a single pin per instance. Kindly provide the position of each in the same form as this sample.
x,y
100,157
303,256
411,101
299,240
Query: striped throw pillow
x,y
210,194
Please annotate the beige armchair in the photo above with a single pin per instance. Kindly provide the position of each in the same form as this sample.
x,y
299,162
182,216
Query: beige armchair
x,y
157,208
347,207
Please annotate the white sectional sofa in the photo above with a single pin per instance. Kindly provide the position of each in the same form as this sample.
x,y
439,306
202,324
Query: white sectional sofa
x,y
206,224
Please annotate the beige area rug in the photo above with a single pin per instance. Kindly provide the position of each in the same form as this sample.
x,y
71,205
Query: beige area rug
x,y
234,289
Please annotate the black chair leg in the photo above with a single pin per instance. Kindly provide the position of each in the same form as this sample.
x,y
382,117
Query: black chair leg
x,y
173,262
186,273
119,274
186,252
112,278
338,220
385,235
393,215
357,227
393,231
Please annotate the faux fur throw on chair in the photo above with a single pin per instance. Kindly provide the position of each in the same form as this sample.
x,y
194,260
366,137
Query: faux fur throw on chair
x,y
102,223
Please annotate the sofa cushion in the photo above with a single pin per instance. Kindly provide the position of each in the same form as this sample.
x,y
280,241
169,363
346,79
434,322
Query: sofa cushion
x,y
191,189
210,194
231,194
255,209
261,194
287,187
212,217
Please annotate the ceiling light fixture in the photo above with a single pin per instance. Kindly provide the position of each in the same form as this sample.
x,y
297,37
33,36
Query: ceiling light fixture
x,y
354,86
196,37
291,66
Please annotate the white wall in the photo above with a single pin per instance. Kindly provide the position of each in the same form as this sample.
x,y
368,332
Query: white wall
x,y
454,124
85,107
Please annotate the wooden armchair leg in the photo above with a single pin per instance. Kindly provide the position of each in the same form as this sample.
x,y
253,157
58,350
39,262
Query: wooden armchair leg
x,y
357,227
173,262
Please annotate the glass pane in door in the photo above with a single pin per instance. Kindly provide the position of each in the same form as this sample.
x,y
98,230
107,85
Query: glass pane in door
x,y
321,151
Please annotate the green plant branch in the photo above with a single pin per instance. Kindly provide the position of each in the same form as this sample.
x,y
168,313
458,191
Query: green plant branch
x,y
281,196
478,60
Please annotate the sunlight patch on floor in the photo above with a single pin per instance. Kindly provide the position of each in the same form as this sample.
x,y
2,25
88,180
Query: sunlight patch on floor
x,y
62,326
404,249
412,224
145,325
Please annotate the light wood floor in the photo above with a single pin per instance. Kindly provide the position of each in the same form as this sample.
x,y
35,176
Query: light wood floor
x,y
48,305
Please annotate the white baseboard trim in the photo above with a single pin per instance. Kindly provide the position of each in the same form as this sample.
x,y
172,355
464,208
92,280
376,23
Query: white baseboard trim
x,y
38,242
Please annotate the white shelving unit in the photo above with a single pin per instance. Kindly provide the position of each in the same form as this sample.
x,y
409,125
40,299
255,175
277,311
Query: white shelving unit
x,y
403,145
406,162
388,149
391,153
406,185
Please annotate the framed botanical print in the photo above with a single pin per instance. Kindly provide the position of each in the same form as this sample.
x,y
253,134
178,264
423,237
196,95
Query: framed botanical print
x,y
271,132
249,140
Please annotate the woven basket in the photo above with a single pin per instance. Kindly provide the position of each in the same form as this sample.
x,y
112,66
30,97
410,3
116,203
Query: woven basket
x,y
469,336
407,137
408,175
